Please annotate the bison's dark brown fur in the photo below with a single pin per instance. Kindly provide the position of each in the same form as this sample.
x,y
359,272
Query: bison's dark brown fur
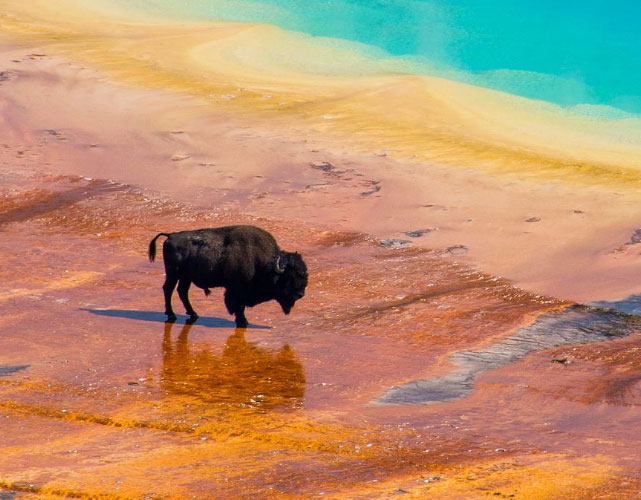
x,y
245,260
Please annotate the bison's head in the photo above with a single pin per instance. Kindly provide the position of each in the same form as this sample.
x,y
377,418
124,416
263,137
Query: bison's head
x,y
291,279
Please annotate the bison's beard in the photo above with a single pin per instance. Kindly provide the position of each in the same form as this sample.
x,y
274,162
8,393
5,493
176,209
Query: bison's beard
x,y
286,305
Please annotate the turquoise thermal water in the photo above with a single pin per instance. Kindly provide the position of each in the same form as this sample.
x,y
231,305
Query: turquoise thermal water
x,y
581,54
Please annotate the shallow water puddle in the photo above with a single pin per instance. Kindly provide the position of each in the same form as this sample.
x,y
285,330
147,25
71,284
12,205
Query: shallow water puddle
x,y
143,408
577,324
8,369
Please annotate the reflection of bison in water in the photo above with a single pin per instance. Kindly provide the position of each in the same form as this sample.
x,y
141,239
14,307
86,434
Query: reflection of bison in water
x,y
245,260
243,374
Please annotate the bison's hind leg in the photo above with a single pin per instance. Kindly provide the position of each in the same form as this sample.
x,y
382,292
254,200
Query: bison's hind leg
x,y
183,293
168,289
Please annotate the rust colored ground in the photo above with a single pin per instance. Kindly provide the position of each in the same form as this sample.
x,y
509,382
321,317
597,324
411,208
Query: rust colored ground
x,y
99,398
114,403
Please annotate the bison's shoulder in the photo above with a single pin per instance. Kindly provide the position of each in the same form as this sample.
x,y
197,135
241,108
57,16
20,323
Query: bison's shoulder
x,y
249,236
228,235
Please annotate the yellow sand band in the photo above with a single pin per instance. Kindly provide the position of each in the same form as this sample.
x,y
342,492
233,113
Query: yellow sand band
x,y
336,92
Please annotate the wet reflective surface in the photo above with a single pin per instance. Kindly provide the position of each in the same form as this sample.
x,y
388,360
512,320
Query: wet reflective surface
x,y
572,325
100,397
530,397
243,375
7,369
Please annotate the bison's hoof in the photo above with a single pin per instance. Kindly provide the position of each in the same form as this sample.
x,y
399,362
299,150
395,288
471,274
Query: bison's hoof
x,y
193,317
171,318
242,323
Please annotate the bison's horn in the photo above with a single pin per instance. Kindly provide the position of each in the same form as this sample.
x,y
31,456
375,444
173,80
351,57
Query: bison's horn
x,y
279,269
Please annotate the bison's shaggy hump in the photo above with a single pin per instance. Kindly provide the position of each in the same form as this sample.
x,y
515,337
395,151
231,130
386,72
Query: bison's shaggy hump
x,y
245,260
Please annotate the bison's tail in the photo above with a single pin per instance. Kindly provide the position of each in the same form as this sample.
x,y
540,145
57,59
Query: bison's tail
x,y
152,246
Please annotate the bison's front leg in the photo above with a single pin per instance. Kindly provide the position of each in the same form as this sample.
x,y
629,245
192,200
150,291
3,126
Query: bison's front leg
x,y
236,307
183,293
241,320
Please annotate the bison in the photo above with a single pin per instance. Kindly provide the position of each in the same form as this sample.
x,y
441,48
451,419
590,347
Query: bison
x,y
245,260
